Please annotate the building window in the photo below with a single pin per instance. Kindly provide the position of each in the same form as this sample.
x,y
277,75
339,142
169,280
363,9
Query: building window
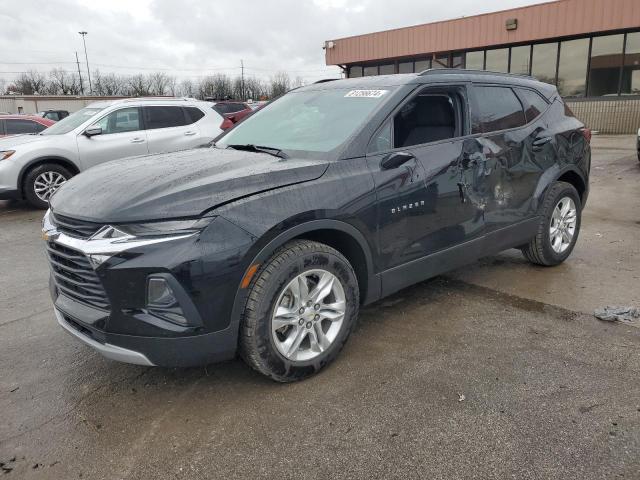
x,y
405,67
457,60
441,61
572,71
370,70
631,70
606,60
543,65
387,69
475,60
355,71
498,60
422,65
520,58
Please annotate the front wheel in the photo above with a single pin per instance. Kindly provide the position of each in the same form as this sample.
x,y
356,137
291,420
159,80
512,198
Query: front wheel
x,y
558,228
301,308
42,182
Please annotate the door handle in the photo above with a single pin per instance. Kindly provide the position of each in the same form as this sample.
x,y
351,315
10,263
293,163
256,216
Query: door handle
x,y
538,142
395,160
189,133
137,140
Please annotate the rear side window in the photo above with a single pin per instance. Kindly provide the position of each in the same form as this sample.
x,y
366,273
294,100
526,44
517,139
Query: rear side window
x,y
534,104
193,114
498,109
225,108
163,117
15,127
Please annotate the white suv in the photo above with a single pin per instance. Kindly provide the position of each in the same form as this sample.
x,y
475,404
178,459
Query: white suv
x,y
34,166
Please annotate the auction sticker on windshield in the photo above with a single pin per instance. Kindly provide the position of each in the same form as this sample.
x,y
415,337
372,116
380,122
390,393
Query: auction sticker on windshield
x,y
366,93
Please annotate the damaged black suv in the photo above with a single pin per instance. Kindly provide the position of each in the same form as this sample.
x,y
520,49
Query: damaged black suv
x,y
333,196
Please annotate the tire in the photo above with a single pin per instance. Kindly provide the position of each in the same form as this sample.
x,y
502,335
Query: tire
x,y
541,250
262,346
39,175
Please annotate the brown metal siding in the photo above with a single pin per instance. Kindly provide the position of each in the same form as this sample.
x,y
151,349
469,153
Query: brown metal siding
x,y
536,22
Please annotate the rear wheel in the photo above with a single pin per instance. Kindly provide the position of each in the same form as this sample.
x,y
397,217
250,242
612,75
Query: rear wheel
x,y
558,228
42,182
301,309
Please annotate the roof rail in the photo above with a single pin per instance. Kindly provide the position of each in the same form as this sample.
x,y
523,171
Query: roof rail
x,y
325,80
433,71
155,99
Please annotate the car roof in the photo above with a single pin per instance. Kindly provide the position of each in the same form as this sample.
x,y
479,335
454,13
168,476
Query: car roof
x,y
441,75
35,118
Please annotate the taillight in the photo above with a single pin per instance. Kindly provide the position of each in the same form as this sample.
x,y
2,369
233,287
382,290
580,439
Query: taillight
x,y
587,133
226,124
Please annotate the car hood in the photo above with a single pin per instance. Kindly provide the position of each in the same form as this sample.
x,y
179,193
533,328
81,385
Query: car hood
x,y
8,142
174,185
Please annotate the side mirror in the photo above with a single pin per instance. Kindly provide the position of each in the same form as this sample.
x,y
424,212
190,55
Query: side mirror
x,y
92,131
395,160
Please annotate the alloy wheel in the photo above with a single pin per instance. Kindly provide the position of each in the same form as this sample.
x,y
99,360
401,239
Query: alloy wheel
x,y
308,315
563,224
47,183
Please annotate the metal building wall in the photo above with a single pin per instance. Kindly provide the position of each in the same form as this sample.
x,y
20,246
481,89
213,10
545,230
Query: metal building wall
x,y
536,22
608,116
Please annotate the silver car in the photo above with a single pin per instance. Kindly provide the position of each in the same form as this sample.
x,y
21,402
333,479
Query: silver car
x,y
33,167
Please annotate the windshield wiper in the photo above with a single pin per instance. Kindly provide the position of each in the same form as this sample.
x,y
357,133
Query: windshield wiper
x,y
276,152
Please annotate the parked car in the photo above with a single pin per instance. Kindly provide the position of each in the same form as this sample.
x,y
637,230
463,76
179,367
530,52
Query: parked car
x,y
234,111
21,124
55,115
33,167
331,197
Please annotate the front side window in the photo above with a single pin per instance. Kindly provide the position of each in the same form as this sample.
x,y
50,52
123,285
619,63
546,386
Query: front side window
x,y
308,120
16,127
498,108
72,122
120,121
163,117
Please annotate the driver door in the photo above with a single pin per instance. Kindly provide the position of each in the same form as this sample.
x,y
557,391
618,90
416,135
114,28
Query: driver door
x,y
122,136
428,222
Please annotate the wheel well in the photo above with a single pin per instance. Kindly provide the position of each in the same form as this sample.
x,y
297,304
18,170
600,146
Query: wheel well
x,y
56,161
347,246
574,179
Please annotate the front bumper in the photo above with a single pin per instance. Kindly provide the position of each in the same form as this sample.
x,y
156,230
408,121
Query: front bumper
x,y
204,273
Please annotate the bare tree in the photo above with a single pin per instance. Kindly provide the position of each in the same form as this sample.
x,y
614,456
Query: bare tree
x,y
280,83
158,83
297,82
139,86
217,86
255,88
187,88
31,83
62,82
3,84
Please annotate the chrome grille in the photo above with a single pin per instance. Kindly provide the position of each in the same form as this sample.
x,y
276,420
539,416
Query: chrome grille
x,y
73,227
74,276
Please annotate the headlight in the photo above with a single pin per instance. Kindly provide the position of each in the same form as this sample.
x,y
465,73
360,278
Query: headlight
x,y
4,154
170,227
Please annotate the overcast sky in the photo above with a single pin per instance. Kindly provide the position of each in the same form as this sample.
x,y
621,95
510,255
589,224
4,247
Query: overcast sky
x,y
193,38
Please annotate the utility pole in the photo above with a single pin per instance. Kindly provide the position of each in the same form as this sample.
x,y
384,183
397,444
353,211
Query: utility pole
x,y
244,97
79,75
87,60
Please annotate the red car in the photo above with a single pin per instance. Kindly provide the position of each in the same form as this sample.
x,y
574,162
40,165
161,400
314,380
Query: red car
x,y
234,111
20,124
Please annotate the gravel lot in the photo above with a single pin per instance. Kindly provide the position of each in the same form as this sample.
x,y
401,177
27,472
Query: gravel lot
x,y
498,370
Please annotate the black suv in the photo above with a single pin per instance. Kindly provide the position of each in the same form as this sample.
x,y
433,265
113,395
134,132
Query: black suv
x,y
333,196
